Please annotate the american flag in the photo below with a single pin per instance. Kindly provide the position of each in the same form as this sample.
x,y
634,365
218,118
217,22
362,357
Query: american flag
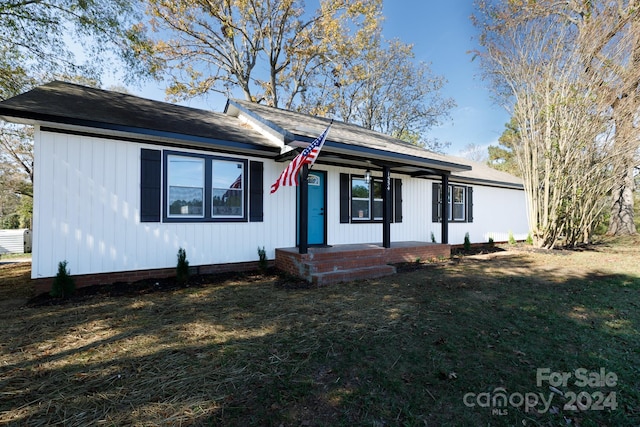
x,y
289,176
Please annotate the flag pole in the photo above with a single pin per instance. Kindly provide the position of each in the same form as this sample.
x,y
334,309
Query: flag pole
x,y
303,244
304,173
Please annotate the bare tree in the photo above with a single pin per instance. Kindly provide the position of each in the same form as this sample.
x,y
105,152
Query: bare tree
x,y
566,145
606,37
382,87
269,49
475,153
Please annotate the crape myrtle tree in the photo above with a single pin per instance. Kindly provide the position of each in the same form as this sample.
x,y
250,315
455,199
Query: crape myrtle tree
x,y
604,39
565,144
331,61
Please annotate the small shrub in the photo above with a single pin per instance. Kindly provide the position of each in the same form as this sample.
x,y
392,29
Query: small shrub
x,y
467,242
529,239
63,284
433,237
491,242
512,240
418,260
262,259
182,269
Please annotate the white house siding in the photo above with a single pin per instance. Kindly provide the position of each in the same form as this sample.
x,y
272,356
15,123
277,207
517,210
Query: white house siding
x,y
416,222
87,212
496,213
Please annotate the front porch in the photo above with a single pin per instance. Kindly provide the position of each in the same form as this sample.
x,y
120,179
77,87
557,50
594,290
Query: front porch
x,y
341,263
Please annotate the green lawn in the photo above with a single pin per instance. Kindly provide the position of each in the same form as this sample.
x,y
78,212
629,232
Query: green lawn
x,y
432,347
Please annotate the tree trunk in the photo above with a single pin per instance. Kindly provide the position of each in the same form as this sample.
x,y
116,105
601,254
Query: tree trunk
x,y
622,219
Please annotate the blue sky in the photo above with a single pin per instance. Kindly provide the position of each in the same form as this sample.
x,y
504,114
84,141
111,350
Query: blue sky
x,y
442,35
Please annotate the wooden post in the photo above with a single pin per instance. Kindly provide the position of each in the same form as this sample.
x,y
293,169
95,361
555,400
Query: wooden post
x,y
445,208
303,244
387,203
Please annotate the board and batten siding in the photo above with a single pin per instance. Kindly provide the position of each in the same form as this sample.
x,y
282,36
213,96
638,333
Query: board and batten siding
x,y
416,204
496,213
87,212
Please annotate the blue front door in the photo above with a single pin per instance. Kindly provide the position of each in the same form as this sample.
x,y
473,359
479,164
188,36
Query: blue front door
x,y
316,217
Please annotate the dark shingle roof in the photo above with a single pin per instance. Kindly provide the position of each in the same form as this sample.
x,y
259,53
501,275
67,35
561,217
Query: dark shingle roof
x,y
66,105
362,141
71,104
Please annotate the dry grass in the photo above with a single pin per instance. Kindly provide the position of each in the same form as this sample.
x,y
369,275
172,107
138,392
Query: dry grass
x,y
398,351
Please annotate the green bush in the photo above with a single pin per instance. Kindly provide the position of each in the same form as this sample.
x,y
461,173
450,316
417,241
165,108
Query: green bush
x,y
182,269
433,237
529,239
262,256
512,240
491,242
63,284
467,242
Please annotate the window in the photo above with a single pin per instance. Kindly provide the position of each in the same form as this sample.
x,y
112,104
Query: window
x,y
366,199
185,192
377,199
209,188
363,202
228,188
360,199
459,203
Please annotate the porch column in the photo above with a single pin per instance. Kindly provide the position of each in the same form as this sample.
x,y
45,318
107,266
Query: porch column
x,y
445,208
303,244
386,207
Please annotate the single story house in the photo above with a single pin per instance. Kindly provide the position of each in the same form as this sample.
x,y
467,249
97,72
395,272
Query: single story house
x,y
122,182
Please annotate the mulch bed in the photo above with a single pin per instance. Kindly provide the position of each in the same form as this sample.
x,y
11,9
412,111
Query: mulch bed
x,y
168,284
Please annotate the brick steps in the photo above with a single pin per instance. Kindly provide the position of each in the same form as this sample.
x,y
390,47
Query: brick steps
x,y
343,263
339,276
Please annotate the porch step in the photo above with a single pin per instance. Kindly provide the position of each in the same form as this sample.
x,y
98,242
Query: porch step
x,y
344,262
348,275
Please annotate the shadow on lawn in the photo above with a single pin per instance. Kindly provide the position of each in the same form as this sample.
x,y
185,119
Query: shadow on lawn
x,y
403,350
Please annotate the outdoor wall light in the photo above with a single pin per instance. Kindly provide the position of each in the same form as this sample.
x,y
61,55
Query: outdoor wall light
x,y
367,176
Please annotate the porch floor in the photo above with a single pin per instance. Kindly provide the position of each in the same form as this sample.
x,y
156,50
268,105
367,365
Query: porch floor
x,y
342,263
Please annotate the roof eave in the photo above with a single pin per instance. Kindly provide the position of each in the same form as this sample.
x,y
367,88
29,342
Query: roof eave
x,y
487,182
394,157
32,118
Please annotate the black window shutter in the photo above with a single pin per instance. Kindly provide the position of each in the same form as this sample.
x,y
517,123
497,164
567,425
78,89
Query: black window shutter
x,y
469,204
150,185
397,201
256,191
435,206
344,198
